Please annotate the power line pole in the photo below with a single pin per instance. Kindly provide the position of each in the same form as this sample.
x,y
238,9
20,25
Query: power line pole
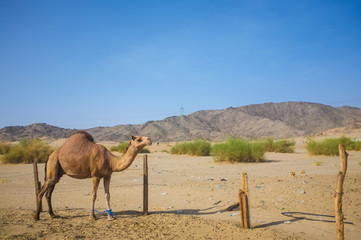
x,y
182,110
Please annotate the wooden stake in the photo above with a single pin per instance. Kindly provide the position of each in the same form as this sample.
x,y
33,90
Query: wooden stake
x,y
145,185
37,183
243,203
240,197
245,183
339,191
245,210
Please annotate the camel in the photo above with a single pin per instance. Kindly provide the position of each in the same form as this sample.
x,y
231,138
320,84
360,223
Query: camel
x,y
80,157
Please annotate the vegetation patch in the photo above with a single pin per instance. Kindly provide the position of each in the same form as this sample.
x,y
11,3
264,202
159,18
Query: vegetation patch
x,y
238,150
234,149
28,151
329,146
355,145
5,147
279,146
317,163
194,148
123,146
144,150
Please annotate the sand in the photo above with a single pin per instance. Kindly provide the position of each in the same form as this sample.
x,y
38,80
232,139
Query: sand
x,y
187,200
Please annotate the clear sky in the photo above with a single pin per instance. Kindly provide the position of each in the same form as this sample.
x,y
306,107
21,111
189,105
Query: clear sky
x,y
82,64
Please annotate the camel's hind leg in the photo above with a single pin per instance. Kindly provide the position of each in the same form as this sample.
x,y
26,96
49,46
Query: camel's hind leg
x,y
44,189
48,199
51,178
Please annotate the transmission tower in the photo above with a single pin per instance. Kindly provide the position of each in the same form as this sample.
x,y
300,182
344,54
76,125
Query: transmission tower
x,y
182,110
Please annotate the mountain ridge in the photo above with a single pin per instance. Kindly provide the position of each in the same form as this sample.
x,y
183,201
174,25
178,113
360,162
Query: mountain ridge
x,y
276,120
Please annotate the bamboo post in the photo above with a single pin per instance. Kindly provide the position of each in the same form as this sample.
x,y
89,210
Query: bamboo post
x,y
246,197
245,210
37,183
243,203
339,191
240,197
245,183
145,185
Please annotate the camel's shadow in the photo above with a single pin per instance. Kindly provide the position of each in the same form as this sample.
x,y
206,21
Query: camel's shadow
x,y
195,212
79,213
76,213
294,216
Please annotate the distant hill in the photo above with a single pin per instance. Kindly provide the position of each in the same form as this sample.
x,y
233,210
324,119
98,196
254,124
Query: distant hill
x,y
36,130
276,120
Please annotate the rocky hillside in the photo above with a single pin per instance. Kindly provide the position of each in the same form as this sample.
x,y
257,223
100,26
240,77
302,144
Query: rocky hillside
x,y
36,130
277,120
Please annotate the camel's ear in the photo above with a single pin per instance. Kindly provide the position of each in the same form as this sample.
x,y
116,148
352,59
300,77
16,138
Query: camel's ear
x,y
133,138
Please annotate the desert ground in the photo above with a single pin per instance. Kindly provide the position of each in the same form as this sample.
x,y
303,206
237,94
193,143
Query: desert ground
x,y
188,197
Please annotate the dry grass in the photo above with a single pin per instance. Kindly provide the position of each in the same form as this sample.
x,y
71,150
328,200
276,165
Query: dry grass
x,y
28,151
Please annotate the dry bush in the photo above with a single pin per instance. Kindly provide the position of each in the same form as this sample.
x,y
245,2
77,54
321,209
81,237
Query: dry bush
x,y
28,151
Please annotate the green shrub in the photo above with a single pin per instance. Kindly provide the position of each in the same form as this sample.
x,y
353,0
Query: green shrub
x,y
284,146
238,150
28,151
122,148
195,148
280,146
5,147
355,145
179,148
329,146
313,147
144,150
268,145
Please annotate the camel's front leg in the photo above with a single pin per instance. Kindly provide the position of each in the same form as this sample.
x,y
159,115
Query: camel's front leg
x,y
107,197
96,181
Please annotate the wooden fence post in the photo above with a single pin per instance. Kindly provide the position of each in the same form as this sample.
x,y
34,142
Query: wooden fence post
x,y
245,182
37,183
240,197
339,191
243,203
145,185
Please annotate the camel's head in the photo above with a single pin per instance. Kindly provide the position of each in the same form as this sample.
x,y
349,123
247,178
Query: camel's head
x,y
140,142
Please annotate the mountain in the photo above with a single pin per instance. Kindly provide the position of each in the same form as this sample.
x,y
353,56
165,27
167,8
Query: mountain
x,y
277,120
36,130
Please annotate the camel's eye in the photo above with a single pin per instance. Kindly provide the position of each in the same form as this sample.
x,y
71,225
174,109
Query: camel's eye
x,y
139,140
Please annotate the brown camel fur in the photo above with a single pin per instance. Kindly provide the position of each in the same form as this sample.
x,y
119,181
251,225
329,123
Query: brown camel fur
x,y
80,157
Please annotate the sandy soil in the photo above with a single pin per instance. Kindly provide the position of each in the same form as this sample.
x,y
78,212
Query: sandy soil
x,y
187,200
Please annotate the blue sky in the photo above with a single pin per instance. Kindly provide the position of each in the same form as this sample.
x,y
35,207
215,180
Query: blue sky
x,y
82,64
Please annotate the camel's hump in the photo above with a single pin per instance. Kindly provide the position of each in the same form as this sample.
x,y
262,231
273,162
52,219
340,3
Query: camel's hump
x,y
85,134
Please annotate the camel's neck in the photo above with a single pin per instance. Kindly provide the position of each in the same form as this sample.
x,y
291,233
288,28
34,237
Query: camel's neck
x,y
123,162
